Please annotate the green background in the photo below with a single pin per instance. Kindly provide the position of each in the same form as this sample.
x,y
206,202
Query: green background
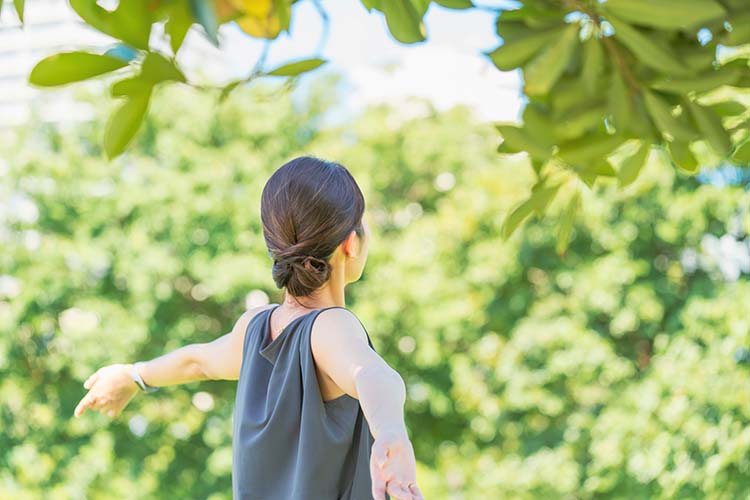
x,y
614,371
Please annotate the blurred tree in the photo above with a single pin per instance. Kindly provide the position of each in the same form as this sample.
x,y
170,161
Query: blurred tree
x,y
605,82
620,371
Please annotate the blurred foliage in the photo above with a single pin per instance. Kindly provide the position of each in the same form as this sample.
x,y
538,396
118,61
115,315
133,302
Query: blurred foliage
x,y
605,82
610,373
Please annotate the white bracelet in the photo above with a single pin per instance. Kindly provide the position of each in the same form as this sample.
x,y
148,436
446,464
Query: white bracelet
x,y
138,380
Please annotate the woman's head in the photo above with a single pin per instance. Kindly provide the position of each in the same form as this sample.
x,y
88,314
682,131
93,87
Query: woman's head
x,y
312,214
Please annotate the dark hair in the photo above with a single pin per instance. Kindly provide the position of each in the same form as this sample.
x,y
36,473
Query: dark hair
x,y
308,207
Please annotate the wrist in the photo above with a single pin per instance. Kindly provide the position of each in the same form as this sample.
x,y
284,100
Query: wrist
x,y
393,432
138,380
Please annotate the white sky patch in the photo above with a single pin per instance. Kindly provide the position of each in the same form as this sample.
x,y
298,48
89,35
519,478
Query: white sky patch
x,y
445,76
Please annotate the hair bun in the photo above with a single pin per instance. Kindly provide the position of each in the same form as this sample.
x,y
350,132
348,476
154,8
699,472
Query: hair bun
x,y
300,272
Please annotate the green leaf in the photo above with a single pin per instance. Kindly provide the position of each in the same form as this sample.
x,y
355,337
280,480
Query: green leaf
x,y
68,67
228,88
541,195
297,67
455,4
710,126
661,112
205,13
593,64
130,21
618,102
512,30
633,164
19,5
579,120
178,24
588,150
518,140
541,73
652,53
741,155
515,52
516,217
157,68
728,108
131,86
699,84
740,33
566,222
403,19
124,123
665,14
682,157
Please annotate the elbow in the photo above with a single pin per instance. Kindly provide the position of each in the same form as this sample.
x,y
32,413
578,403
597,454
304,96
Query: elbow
x,y
197,367
382,376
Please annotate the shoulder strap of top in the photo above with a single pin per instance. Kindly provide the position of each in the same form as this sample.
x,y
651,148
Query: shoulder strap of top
x,y
344,308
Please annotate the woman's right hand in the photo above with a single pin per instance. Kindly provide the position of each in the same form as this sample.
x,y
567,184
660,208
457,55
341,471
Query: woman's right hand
x,y
393,467
110,390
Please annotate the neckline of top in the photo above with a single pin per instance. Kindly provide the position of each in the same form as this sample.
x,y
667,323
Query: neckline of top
x,y
286,327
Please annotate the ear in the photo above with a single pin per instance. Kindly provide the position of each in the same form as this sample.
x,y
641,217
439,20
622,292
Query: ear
x,y
350,245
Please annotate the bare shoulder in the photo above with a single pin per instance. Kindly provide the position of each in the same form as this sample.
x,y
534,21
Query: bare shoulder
x,y
240,326
335,323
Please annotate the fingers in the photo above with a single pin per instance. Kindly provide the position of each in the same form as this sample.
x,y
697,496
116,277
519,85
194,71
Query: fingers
x,y
94,403
416,492
91,380
378,481
403,492
87,402
378,485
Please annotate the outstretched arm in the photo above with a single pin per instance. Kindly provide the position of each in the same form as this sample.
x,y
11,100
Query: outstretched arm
x,y
111,387
340,349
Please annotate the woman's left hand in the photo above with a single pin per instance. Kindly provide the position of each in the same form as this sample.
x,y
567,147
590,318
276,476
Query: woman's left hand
x,y
393,467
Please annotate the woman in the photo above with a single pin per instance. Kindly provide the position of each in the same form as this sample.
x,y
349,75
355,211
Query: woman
x,y
318,413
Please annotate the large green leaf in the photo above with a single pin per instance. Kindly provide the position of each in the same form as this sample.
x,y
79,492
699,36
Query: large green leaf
x,y
577,121
403,19
665,14
297,67
661,112
566,222
682,157
68,67
593,64
619,102
20,7
542,193
699,84
130,21
178,24
518,140
455,4
710,126
647,49
741,155
633,164
541,73
157,68
515,52
740,33
586,150
124,123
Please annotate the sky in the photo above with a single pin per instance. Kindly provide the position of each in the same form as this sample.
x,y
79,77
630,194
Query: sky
x,y
448,68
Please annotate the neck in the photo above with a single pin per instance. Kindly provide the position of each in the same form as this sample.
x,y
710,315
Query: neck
x,y
330,294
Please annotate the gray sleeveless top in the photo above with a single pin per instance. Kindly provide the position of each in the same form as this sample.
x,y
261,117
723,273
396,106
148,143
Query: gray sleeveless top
x,y
287,443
